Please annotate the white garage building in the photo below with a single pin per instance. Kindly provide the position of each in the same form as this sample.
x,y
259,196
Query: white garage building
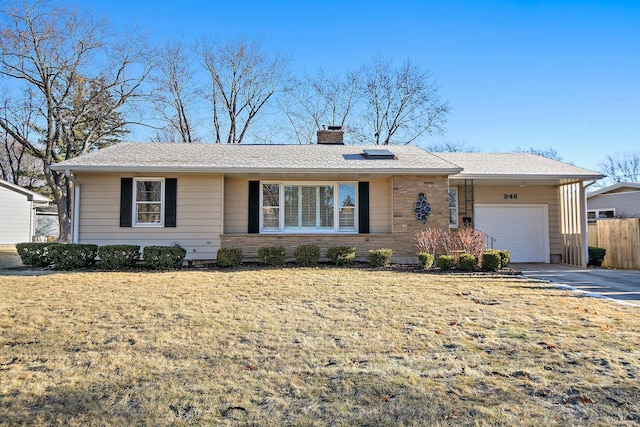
x,y
18,213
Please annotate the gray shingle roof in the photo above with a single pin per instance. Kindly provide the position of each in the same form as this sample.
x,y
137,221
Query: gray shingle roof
x,y
227,158
511,165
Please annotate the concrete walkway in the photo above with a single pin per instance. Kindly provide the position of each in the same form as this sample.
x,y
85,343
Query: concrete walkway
x,y
619,285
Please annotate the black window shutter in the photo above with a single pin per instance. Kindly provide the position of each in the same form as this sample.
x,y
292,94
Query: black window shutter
x,y
126,201
170,205
254,207
363,207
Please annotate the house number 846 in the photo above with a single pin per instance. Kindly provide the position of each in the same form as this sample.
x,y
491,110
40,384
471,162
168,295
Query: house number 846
x,y
511,196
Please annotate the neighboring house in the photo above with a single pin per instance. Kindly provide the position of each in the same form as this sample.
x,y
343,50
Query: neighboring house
x,y
208,196
620,200
18,213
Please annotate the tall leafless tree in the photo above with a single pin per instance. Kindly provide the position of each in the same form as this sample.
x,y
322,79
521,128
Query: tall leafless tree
x,y
400,103
79,79
176,93
313,102
622,167
243,79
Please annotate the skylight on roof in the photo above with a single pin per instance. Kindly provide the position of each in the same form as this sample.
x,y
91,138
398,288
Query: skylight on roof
x,y
376,153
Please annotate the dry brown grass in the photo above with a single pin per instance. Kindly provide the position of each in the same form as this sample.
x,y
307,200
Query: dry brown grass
x,y
324,346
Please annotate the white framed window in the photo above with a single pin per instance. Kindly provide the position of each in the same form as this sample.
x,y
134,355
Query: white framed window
x,y
453,208
308,207
148,202
595,214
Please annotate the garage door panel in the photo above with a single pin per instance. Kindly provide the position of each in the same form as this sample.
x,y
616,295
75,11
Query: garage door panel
x,y
522,230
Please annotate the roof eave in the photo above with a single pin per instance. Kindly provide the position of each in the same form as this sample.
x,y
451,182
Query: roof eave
x,y
528,177
234,170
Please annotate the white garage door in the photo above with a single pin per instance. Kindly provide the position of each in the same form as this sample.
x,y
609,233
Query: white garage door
x,y
523,230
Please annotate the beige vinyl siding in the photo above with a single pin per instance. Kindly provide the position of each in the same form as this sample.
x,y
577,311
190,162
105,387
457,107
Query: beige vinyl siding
x,y
199,214
236,201
236,205
380,205
529,195
16,216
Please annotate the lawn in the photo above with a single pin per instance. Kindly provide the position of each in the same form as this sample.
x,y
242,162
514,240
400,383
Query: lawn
x,y
324,346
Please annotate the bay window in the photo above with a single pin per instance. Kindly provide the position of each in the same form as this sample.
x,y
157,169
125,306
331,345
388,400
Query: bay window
x,y
308,207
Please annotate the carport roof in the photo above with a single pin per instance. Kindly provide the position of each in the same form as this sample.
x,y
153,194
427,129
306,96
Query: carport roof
x,y
516,166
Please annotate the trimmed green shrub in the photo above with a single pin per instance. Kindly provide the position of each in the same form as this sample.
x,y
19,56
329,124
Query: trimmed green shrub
x,y
35,254
342,255
425,260
596,256
505,258
380,257
307,255
272,255
164,257
229,257
72,256
491,261
446,262
467,262
118,257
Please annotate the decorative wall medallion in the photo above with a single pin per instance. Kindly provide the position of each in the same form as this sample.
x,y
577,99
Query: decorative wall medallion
x,y
422,208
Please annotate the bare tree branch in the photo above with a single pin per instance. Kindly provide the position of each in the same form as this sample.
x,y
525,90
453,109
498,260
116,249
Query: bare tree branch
x,y
243,80
76,81
400,104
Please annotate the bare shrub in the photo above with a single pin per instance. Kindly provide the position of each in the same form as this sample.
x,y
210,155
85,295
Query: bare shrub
x,y
468,241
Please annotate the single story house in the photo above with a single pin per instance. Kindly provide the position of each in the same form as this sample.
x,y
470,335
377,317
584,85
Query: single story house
x,y
207,196
620,200
18,213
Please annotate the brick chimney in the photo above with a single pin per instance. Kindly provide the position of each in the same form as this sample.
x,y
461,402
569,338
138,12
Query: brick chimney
x,y
334,135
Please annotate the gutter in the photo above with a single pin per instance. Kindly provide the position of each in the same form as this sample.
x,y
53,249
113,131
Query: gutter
x,y
75,220
251,170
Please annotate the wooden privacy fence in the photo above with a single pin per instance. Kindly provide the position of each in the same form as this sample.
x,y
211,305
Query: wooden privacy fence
x,y
621,239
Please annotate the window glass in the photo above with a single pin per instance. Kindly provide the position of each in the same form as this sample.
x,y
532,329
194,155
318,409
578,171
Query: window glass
x,y
347,206
606,214
148,202
453,207
271,207
325,206
308,206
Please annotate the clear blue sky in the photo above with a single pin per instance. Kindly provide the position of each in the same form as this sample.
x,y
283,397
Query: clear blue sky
x,y
517,73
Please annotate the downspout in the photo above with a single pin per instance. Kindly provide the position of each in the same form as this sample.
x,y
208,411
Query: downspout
x,y
584,225
75,219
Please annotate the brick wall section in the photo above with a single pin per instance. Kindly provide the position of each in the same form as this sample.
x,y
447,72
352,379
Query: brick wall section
x,y
330,137
363,242
405,225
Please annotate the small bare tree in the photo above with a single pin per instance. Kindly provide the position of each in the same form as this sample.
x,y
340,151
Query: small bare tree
x,y
176,94
75,80
549,153
451,147
243,80
622,167
400,104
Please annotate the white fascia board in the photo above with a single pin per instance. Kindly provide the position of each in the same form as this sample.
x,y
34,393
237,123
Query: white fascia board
x,y
183,169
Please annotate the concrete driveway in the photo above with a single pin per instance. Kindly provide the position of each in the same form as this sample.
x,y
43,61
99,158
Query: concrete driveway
x,y
619,285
